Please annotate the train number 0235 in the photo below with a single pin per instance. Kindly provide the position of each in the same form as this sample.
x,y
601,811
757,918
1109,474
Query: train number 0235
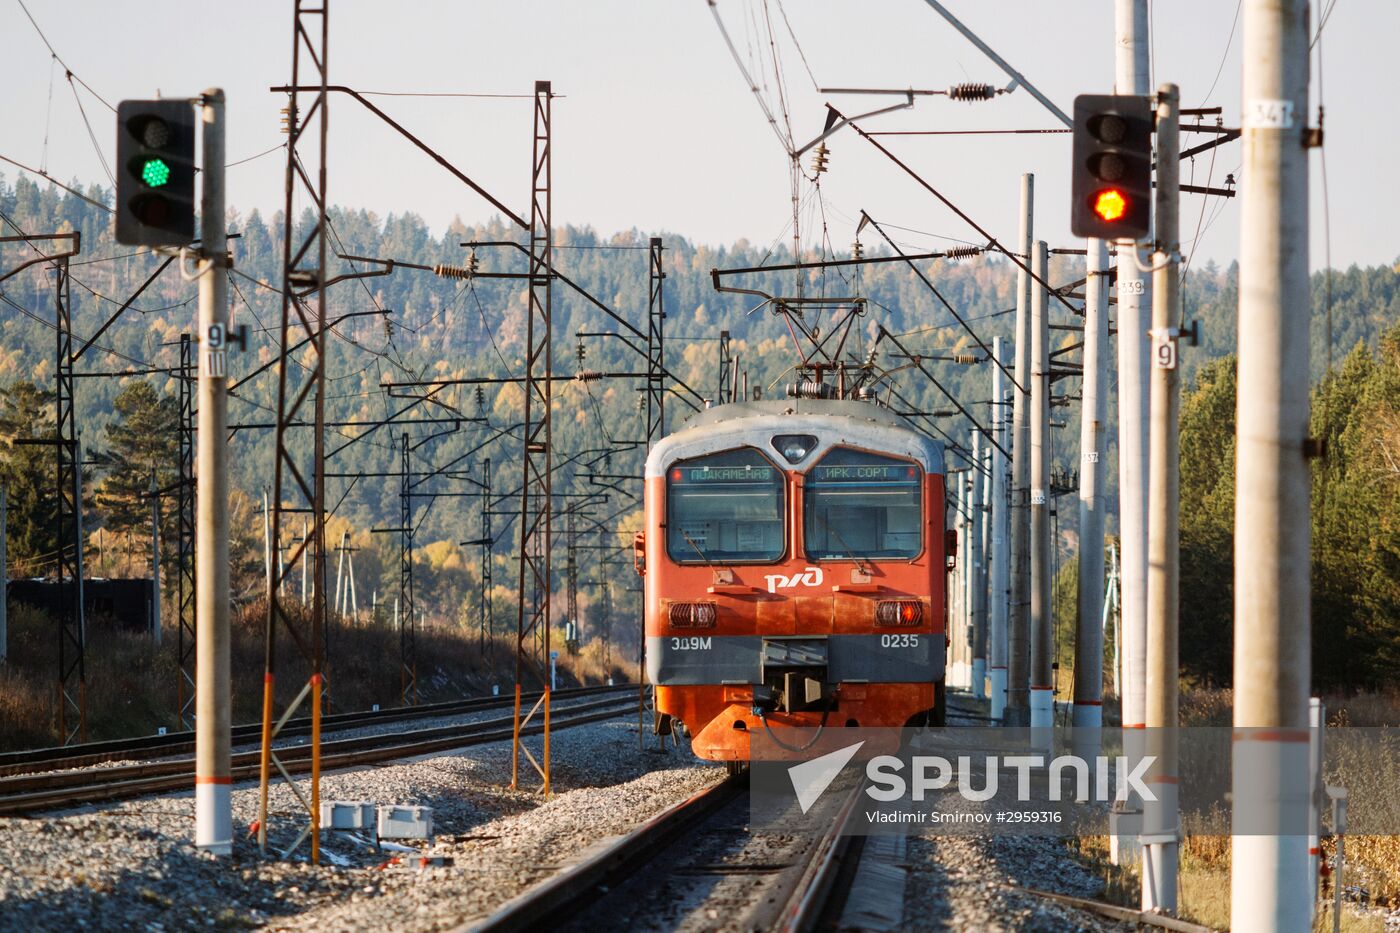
x,y
691,643
899,641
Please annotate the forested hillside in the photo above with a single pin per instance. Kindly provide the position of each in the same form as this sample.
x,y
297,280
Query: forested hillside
x,y
442,328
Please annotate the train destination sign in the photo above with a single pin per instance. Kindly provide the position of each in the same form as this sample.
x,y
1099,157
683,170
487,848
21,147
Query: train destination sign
x,y
724,474
865,473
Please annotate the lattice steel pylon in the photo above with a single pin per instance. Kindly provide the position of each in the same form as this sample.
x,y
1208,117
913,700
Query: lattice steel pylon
x,y
656,425
408,624
72,635
300,486
656,354
184,541
71,696
536,494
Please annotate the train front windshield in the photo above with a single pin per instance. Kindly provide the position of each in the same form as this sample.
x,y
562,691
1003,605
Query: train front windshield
x,y
861,505
725,508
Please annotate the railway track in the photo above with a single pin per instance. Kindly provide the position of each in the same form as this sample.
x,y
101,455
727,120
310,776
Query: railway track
x,y
697,861
59,758
32,793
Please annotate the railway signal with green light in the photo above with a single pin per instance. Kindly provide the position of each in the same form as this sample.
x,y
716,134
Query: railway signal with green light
x,y
155,179
1111,178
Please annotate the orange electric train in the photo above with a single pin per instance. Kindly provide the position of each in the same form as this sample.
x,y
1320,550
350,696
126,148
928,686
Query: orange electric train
x,y
794,560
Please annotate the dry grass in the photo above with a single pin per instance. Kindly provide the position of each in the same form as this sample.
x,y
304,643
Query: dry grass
x,y
25,711
131,686
1372,863
1203,884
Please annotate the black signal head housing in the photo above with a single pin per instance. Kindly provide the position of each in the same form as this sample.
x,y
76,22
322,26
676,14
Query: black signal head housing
x,y
155,173
1111,175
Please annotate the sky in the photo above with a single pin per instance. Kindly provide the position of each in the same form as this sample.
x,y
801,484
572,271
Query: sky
x,y
656,129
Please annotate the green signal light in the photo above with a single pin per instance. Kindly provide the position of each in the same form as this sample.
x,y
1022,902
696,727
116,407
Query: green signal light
x,y
155,172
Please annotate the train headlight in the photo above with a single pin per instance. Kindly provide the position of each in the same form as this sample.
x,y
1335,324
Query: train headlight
x,y
794,447
899,612
692,615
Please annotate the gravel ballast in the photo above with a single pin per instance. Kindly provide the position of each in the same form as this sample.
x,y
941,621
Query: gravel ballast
x,y
130,865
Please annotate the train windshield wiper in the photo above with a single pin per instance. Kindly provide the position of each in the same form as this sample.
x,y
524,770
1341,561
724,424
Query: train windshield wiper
x,y
850,551
703,556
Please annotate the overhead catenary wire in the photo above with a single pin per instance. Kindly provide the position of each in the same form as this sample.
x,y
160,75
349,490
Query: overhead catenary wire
x,y
48,116
276,148
1229,43
54,181
70,73
748,78
992,241
96,146
52,326
947,305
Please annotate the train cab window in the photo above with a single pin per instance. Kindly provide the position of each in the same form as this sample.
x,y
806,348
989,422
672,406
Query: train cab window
x,y
863,505
724,508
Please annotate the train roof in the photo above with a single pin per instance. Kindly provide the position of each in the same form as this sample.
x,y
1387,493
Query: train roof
x,y
833,422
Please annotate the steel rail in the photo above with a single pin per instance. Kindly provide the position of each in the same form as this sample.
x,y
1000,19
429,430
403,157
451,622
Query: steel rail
x,y
140,780
55,758
811,887
570,890
806,905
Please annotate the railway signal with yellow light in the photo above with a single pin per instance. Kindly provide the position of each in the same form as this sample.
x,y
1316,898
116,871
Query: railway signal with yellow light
x,y
155,173
1112,172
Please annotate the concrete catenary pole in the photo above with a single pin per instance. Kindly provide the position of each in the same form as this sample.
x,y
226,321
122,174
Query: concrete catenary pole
x,y
979,567
965,566
1000,582
354,601
213,830
1018,657
340,594
1093,417
976,653
1159,830
1270,887
1132,76
1112,616
956,588
155,562
1042,624
1134,304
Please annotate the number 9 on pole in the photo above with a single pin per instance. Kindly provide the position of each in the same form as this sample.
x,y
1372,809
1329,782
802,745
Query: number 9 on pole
x,y
1163,350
